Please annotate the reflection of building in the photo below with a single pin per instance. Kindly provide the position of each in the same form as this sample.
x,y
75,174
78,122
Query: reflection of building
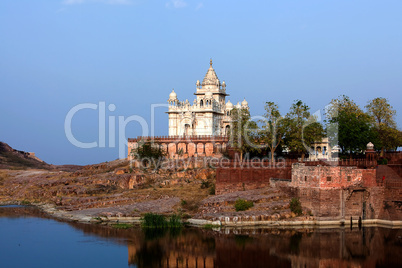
x,y
209,112
342,247
185,249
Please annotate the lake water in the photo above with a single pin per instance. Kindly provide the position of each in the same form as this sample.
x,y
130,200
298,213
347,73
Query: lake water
x,y
28,238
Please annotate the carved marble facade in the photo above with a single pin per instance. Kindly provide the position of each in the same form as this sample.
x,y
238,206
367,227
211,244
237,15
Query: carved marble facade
x,y
208,114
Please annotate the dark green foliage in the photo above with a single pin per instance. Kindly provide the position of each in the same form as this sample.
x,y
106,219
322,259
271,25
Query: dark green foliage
x,y
382,117
295,243
212,189
122,225
149,153
151,220
208,226
273,128
175,221
301,128
25,203
243,135
349,127
242,240
209,183
242,205
295,206
382,161
205,184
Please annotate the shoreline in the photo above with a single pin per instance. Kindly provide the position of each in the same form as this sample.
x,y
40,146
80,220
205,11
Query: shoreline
x,y
200,223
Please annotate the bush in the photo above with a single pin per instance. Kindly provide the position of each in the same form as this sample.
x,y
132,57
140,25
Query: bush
x,y
25,203
212,190
175,221
148,153
295,206
151,220
382,161
205,184
241,204
122,225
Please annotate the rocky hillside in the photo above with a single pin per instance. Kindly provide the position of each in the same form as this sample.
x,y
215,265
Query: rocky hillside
x,y
118,189
14,159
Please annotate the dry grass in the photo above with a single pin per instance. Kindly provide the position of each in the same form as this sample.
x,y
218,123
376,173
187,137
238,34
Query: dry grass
x,y
3,176
187,191
191,193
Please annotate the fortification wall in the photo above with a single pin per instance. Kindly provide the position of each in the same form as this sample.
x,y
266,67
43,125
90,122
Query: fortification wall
x,y
229,179
345,192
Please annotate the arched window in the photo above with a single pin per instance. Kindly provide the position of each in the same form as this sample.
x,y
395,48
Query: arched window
x,y
186,129
201,103
227,130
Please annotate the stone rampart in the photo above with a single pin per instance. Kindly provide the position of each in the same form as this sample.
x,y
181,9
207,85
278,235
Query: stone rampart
x,y
232,179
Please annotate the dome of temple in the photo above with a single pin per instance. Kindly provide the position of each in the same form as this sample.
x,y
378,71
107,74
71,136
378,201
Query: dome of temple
x,y
370,146
229,105
244,102
173,95
211,78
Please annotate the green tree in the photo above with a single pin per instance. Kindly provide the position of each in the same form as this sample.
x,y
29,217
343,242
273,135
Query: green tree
x,y
301,128
383,119
243,132
353,129
273,128
148,152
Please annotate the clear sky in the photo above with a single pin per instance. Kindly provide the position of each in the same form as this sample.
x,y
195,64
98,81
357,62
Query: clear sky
x,y
55,55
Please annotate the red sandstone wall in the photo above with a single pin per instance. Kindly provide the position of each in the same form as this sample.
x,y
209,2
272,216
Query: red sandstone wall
x,y
172,148
341,192
331,176
322,203
239,179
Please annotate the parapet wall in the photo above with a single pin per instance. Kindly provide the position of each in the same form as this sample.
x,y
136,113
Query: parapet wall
x,y
331,176
330,192
231,179
183,146
348,192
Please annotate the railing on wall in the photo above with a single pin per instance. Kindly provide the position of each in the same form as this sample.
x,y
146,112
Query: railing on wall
x,y
256,163
177,139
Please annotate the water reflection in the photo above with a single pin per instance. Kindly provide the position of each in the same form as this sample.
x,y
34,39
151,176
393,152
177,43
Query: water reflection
x,y
188,247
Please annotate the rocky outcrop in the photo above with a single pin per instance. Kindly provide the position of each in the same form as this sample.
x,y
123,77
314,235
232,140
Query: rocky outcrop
x,y
12,158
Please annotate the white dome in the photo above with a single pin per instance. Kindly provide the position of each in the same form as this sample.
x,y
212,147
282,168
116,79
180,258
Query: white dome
x,y
229,105
244,102
208,94
238,105
173,95
370,146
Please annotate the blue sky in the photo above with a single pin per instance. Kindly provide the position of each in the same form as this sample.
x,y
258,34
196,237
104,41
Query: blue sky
x,y
55,55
